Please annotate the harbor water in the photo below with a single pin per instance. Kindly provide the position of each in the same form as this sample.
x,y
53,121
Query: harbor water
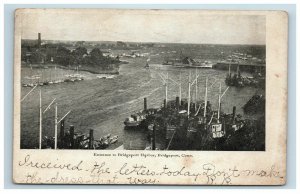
x,y
103,104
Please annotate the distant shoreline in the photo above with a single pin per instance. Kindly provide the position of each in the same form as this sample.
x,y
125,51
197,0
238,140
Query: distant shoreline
x,y
92,70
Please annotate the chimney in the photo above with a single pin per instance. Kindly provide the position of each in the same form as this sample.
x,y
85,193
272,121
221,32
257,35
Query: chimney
x,y
39,39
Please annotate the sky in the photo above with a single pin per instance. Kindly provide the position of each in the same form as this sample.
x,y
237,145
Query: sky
x,y
140,26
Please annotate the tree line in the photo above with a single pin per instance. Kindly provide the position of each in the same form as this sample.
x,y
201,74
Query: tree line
x,y
63,56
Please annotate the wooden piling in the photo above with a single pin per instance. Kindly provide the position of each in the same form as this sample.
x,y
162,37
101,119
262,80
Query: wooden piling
x,y
72,136
91,139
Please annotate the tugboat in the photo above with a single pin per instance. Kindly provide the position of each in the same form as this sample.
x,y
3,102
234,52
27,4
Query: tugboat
x,y
135,120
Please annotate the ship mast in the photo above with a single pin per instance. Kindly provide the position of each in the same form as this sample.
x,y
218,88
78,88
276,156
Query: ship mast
x,y
189,95
165,82
205,99
196,89
56,121
55,127
41,117
55,75
180,88
40,126
175,82
219,102
167,89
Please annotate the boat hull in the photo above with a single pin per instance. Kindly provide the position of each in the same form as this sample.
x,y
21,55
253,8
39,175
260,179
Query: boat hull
x,y
132,124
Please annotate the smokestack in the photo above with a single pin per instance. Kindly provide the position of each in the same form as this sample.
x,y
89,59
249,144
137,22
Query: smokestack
x,y
233,114
153,138
39,40
72,136
165,103
62,133
91,139
145,103
177,102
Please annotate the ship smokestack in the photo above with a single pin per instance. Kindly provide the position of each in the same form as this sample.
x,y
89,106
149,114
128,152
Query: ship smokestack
x,y
177,102
233,114
145,103
62,133
153,138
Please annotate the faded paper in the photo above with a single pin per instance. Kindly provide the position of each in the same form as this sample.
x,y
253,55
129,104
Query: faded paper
x,y
63,166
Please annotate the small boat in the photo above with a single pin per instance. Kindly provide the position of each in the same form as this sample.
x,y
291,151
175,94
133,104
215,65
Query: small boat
x,y
106,140
31,85
131,122
58,81
113,139
106,136
135,120
168,63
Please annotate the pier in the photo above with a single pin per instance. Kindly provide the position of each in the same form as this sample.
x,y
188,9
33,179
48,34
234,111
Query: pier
x,y
243,66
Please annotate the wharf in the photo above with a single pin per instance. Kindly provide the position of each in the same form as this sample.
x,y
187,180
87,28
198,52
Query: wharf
x,y
243,66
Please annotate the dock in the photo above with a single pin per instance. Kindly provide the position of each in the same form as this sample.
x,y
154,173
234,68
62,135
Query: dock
x,y
243,66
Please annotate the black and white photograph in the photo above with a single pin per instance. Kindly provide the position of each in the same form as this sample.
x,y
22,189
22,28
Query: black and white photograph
x,y
140,96
140,82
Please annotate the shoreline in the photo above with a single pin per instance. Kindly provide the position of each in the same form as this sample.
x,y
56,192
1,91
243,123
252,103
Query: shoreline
x,y
87,69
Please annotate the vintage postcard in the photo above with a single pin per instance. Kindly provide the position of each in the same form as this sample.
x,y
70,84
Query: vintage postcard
x,y
180,97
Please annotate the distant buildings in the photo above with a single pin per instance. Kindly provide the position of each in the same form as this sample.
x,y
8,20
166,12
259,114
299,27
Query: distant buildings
x,y
37,51
121,44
